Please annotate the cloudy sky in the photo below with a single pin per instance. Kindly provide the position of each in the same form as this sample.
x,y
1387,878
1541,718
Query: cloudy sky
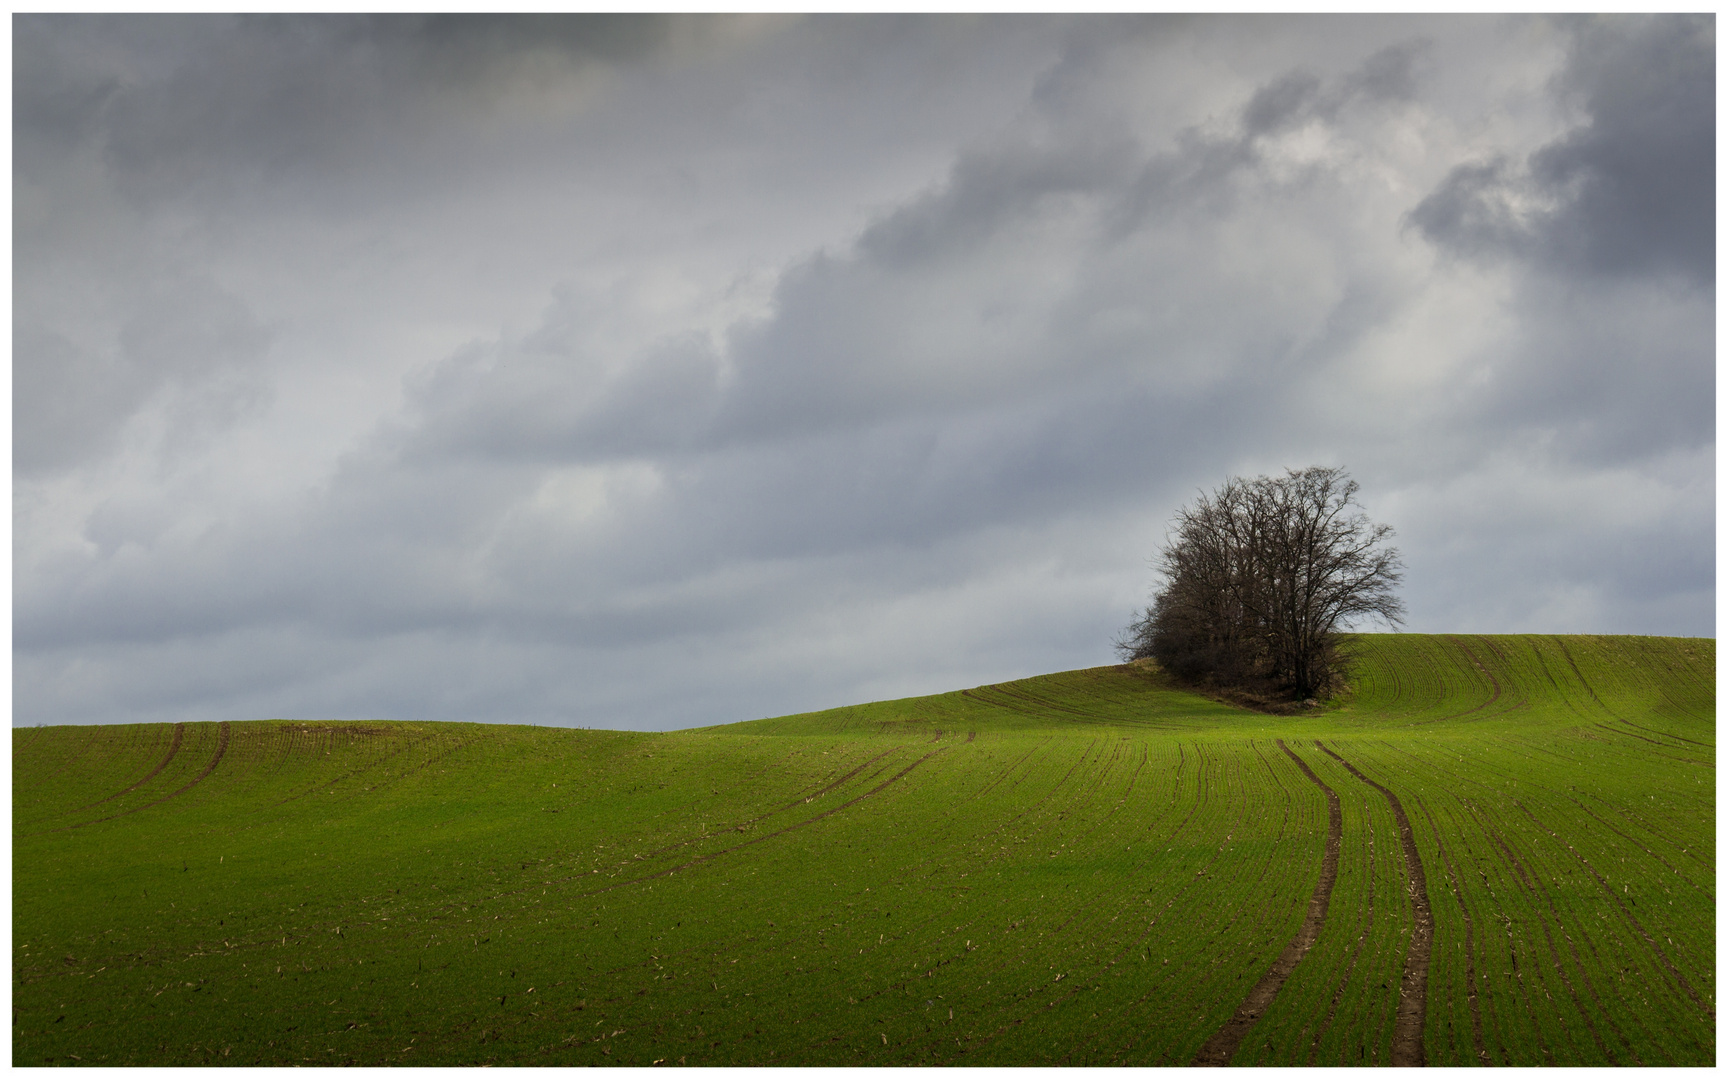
x,y
648,373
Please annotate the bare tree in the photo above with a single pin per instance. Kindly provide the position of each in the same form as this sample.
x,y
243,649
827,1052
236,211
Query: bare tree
x,y
1259,579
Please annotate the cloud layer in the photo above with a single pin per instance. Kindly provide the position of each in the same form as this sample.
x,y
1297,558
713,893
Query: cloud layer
x,y
659,372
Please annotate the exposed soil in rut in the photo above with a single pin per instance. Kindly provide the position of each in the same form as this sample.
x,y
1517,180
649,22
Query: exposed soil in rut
x,y
1221,1047
1413,991
221,748
173,748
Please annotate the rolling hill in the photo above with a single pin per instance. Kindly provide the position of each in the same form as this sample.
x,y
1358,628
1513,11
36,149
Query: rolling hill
x,y
1492,850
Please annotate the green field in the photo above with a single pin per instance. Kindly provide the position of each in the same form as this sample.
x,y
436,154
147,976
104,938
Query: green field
x,y
1085,868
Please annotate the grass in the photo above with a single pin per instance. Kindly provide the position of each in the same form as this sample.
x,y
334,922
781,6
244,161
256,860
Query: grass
x,y
1091,867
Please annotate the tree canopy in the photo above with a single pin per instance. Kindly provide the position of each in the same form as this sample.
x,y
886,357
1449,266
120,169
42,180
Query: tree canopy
x,y
1259,579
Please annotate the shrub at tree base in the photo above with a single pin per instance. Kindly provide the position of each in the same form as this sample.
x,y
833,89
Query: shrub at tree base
x,y
1260,577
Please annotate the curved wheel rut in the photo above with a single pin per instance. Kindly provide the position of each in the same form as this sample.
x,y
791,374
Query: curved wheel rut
x,y
1221,1047
173,748
221,748
765,836
1413,993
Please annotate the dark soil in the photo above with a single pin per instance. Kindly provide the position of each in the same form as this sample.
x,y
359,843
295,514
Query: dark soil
x,y
173,748
1413,991
221,748
1221,1047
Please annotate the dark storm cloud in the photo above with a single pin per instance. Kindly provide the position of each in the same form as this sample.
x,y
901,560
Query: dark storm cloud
x,y
1630,191
655,372
232,99
471,47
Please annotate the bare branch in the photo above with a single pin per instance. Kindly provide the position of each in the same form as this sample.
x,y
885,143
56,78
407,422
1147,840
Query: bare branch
x,y
1261,576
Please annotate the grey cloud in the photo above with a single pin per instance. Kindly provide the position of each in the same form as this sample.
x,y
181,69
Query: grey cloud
x,y
371,554
1651,558
1644,170
549,398
839,346
399,545
842,345
1202,170
189,337
1612,376
472,46
57,99
1280,103
1387,77
859,403
988,192
927,438
1632,190
207,106
1475,209
67,402
1392,74
1062,87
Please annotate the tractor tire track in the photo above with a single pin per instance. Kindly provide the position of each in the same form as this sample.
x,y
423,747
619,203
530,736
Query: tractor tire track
x,y
1103,820
1653,742
1564,651
935,917
1222,1046
1583,975
1364,927
1020,701
87,742
1025,703
1481,820
1666,735
1500,1013
1407,1047
979,1042
173,748
1458,643
460,743
221,748
1178,895
1206,779
1146,931
793,805
380,762
1048,795
1009,770
69,764
984,838
765,836
628,864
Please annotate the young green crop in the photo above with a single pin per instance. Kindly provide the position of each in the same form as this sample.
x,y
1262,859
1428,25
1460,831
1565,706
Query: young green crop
x,y
1084,868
